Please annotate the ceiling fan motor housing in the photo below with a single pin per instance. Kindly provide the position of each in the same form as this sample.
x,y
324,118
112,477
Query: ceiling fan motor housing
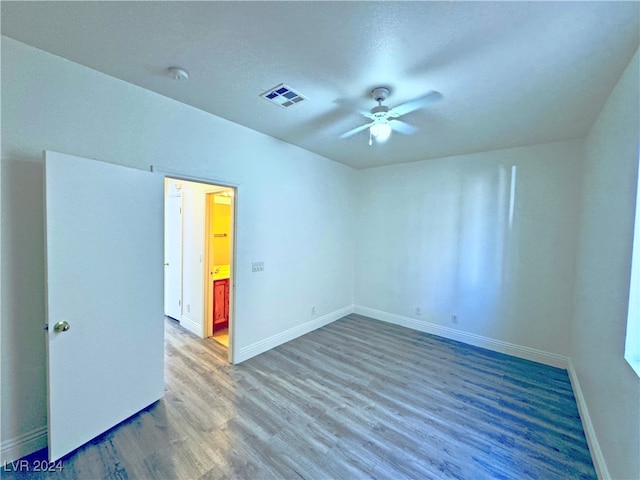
x,y
380,114
380,111
380,94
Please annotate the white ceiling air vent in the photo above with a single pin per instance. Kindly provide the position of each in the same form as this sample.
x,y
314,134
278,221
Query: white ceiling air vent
x,y
282,96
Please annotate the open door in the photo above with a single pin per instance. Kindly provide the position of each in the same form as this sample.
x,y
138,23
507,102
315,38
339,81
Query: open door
x,y
104,262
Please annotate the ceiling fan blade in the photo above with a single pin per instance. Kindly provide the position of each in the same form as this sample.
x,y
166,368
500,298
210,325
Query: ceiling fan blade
x,y
355,130
351,106
402,127
416,104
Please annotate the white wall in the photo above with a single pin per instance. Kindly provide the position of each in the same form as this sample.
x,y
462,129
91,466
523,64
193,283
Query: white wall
x,y
451,236
610,388
295,211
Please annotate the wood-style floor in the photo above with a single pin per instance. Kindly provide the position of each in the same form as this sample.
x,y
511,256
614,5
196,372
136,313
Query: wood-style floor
x,y
355,399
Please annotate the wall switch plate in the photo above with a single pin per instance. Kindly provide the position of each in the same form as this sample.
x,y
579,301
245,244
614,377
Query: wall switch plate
x,y
257,266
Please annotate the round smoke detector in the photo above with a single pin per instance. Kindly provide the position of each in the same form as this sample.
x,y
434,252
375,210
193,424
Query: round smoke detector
x,y
178,73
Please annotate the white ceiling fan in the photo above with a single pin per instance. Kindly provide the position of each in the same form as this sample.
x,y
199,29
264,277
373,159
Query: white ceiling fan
x,y
384,119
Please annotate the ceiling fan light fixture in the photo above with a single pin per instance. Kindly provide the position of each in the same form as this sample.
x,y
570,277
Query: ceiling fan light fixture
x,y
382,131
381,116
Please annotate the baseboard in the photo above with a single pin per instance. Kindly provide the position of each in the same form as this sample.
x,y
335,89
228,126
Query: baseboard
x,y
15,448
500,346
594,446
190,325
262,346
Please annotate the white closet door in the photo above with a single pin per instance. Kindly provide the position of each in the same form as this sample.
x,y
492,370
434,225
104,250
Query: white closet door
x,y
104,259
173,257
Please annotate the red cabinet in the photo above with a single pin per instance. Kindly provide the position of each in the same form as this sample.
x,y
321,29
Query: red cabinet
x,y
220,305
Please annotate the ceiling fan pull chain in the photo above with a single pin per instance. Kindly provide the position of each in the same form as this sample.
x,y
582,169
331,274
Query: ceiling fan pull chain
x,y
370,139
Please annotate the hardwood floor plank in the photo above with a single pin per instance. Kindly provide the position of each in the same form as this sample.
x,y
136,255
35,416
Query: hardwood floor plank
x,y
355,399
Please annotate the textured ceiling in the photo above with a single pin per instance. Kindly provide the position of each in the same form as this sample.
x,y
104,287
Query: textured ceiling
x,y
510,73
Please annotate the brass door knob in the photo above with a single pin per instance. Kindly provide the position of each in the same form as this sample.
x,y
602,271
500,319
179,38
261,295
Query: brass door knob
x,y
61,327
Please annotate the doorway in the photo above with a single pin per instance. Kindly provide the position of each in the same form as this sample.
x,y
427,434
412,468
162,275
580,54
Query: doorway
x,y
206,221
218,228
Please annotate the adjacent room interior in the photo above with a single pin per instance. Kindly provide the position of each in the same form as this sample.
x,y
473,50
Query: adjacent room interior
x,y
198,250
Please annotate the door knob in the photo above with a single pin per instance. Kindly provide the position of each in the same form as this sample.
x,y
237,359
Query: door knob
x,y
61,327
166,264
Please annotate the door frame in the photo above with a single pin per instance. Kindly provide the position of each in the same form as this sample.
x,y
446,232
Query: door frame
x,y
235,186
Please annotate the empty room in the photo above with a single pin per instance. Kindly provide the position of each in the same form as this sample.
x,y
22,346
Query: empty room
x,y
320,240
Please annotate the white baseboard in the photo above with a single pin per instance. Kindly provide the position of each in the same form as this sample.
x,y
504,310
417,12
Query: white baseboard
x,y
519,351
193,327
594,446
15,448
262,346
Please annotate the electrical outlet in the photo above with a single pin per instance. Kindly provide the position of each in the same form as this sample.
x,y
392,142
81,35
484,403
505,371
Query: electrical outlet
x,y
188,308
313,310
454,319
418,311
257,266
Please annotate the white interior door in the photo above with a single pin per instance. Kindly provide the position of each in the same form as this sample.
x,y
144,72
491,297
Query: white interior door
x,y
173,257
104,261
